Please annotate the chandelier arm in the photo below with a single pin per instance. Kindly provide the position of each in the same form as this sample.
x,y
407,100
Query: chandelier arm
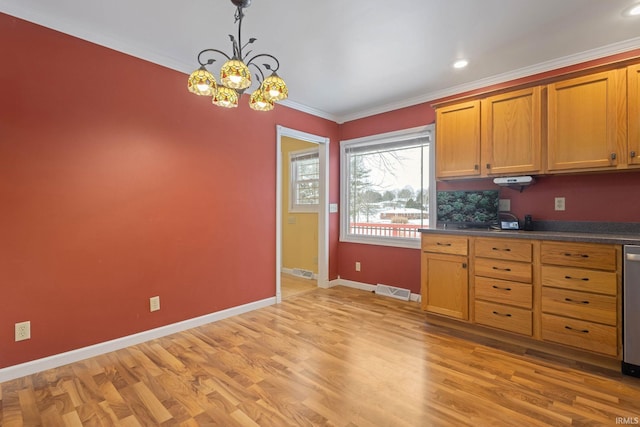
x,y
277,67
259,78
211,60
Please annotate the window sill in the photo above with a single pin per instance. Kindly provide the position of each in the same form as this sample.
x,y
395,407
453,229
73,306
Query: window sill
x,y
385,241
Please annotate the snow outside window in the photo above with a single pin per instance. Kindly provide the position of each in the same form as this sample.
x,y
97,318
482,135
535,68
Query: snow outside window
x,y
385,187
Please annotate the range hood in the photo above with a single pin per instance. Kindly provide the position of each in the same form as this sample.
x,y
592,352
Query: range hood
x,y
515,182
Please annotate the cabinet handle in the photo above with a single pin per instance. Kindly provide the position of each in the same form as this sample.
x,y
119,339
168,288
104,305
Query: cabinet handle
x,y
582,331
576,301
501,249
584,279
501,269
488,165
633,154
464,265
476,167
577,255
502,289
614,156
443,244
500,314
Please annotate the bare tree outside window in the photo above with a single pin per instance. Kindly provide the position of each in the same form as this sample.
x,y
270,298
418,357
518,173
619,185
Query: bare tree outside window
x,y
386,187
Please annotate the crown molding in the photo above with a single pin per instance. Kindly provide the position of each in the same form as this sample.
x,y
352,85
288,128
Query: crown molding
x,y
87,33
309,110
83,32
612,49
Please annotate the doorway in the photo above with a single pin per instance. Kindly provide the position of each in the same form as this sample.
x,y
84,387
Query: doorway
x,y
322,231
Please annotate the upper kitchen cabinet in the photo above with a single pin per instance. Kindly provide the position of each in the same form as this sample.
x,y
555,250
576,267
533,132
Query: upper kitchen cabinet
x,y
633,83
511,132
587,122
458,140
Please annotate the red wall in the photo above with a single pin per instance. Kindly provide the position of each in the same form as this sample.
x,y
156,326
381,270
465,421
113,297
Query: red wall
x,y
118,185
383,264
604,197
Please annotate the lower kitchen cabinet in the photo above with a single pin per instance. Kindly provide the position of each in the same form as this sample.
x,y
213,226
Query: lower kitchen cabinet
x,y
580,296
502,283
445,285
555,295
445,277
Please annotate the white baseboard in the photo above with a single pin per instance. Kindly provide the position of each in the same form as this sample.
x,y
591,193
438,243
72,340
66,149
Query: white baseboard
x,y
365,287
289,271
57,360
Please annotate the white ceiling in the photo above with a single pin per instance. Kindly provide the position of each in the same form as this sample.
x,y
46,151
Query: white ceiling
x,y
345,59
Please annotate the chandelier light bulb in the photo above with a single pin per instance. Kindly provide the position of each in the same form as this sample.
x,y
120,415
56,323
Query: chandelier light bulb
x,y
258,101
202,82
225,97
235,74
274,88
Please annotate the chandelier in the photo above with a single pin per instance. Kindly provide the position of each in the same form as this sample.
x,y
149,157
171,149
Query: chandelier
x,y
235,73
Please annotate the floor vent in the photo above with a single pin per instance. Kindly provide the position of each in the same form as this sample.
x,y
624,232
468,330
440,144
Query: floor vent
x,y
393,292
302,273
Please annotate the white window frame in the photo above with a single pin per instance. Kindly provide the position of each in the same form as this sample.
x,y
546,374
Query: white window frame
x,y
295,207
422,132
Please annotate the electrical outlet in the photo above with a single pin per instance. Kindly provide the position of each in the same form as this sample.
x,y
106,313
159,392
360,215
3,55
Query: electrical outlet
x,y
357,266
559,204
154,303
504,205
23,331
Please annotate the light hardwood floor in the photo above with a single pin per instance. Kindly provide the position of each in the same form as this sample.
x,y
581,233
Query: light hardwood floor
x,y
329,357
292,285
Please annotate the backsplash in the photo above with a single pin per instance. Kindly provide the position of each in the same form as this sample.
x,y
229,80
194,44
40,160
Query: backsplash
x,y
612,197
588,227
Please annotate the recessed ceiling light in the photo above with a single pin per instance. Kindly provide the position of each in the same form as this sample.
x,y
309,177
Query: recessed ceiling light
x,y
632,10
460,63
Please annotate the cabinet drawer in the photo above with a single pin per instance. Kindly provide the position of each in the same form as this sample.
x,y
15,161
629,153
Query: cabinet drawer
x,y
507,270
580,279
504,249
580,305
601,257
444,244
577,333
503,292
500,316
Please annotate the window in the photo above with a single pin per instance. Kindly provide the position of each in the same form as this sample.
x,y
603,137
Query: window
x,y
385,187
304,191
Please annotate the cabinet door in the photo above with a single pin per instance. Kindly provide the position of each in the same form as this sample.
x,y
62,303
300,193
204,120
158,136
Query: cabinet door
x,y
445,285
587,122
511,126
458,140
633,82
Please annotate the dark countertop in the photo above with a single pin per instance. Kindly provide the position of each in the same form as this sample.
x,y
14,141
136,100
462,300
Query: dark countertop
x,y
565,236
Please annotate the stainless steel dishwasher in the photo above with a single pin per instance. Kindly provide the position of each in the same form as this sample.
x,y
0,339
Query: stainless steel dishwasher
x,y
631,311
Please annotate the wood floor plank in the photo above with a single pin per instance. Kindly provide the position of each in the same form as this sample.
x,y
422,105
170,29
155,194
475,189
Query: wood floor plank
x,y
323,357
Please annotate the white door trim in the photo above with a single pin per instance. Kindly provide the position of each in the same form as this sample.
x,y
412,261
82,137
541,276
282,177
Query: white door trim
x,y
323,214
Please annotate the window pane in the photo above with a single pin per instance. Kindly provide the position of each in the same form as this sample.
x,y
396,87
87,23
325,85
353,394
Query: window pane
x,y
387,192
305,181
